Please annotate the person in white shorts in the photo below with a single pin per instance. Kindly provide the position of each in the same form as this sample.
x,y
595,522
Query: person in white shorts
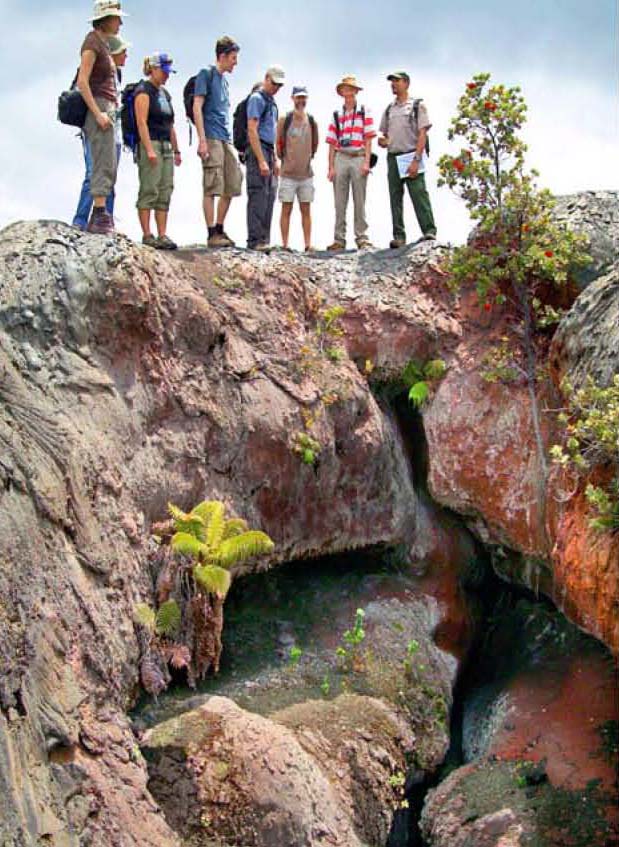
x,y
297,142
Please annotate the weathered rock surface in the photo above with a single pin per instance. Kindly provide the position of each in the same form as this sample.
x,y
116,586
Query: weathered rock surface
x,y
129,380
596,215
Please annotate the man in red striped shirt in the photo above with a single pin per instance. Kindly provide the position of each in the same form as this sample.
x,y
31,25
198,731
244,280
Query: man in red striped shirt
x,y
350,146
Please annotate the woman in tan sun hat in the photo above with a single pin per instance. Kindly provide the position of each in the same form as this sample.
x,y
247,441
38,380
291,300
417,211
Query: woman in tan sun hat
x,y
350,147
97,83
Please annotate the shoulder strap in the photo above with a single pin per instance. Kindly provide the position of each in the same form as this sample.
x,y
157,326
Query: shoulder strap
x,y
336,121
314,130
415,112
285,128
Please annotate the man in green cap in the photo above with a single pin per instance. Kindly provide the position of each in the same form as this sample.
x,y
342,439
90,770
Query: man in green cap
x,y
404,129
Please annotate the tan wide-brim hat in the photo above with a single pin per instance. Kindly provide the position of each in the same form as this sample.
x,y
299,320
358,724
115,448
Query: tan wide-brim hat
x,y
348,80
107,8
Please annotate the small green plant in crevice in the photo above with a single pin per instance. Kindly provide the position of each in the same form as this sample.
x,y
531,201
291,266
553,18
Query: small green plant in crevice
x,y
412,648
500,364
419,378
397,782
325,685
307,448
349,653
197,551
294,657
591,441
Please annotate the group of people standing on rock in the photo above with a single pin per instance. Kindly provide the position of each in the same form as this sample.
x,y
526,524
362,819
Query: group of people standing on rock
x,y
271,147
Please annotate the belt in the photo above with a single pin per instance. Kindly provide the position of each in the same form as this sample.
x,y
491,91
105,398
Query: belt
x,y
356,153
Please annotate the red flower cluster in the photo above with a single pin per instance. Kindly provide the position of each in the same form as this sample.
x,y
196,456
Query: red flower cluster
x,y
549,254
471,86
487,306
490,106
458,165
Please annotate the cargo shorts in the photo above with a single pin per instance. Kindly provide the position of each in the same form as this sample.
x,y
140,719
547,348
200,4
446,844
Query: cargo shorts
x,y
221,171
156,181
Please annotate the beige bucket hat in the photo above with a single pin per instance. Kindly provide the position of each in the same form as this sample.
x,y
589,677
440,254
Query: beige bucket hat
x,y
106,9
349,79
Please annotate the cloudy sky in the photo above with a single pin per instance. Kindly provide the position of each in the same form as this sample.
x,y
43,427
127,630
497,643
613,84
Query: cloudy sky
x,y
562,53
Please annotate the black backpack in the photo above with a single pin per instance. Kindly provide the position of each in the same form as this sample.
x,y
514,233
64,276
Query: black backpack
x,y
131,138
189,92
286,127
72,108
361,112
240,138
415,120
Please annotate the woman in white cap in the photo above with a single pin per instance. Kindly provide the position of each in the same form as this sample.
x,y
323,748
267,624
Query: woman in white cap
x,y
118,50
96,81
158,151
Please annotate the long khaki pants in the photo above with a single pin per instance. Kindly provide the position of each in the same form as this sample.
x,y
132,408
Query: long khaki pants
x,y
347,174
103,150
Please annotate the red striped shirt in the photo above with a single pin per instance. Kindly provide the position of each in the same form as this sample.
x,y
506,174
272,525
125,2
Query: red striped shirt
x,y
354,130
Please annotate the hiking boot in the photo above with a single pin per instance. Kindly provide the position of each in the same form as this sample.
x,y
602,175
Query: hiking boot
x,y
310,249
150,241
364,244
219,239
165,243
101,222
262,248
223,234
337,245
429,236
396,242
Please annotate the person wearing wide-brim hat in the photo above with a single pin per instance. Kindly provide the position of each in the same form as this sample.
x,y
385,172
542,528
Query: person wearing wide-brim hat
x,y
404,129
158,152
96,81
349,138
118,50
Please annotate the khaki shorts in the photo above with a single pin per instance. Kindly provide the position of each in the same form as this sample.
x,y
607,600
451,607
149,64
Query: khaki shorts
x,y
221,171
156,181
290,188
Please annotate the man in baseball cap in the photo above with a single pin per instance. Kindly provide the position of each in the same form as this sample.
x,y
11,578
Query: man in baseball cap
x,y
404,129
261,161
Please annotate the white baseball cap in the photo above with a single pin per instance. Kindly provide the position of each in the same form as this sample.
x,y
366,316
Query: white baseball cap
x,y
277,74
106,9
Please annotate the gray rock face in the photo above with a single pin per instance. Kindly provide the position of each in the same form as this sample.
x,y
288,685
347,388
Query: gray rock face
x,y
596,215
587,340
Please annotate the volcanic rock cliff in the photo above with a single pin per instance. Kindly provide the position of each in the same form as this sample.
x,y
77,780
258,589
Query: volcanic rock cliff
x,y
130,379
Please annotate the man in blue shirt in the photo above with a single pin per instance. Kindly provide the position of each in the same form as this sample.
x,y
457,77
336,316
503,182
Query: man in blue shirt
x,y
261,162
222,175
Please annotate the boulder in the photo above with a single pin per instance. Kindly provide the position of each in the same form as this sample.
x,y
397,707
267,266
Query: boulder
x,y
596,215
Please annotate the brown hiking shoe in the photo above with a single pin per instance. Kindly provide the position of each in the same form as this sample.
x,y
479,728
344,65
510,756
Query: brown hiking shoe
x,y
219,239
364,244
337,245
262,248
396,242
225,235
101,222
149,240
165,243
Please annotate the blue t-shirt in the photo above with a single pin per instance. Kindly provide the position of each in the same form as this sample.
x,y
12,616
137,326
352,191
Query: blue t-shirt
x,y
213,86
262,106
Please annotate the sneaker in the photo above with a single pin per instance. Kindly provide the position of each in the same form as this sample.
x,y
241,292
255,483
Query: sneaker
x,y
310,249
337,245
165,243
219,239
364,244
150,241
396,242
429,236
101,222
262,248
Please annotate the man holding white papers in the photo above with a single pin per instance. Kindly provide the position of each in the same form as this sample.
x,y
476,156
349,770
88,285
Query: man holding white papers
x,y
404,130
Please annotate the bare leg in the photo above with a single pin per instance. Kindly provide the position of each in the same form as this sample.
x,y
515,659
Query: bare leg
x,y
161,219
144,218
222,208
98,202
209,210
285,222
306,223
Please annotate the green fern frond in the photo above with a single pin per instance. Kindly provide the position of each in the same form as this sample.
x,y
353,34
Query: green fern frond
x,y
188,545
235,550
144,616
234,527
168,618
215,526
191,523
206,509
418,394
213,579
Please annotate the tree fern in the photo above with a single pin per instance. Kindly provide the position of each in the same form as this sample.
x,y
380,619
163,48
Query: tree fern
x,y
144,616
233,527
418,394
238,549
188,545
213,579
206,509
168,618
191,523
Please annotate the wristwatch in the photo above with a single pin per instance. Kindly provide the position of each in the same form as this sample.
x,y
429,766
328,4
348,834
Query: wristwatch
x,y
415,157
